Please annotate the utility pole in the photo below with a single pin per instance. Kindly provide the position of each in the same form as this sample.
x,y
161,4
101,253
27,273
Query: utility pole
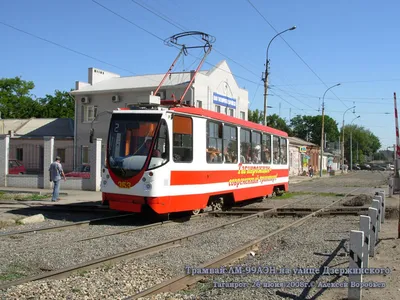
x,y
265,79
322,130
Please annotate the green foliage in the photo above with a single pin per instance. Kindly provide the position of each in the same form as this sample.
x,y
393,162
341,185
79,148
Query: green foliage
x,y
61,105
309,128
273,121
368,143
17,102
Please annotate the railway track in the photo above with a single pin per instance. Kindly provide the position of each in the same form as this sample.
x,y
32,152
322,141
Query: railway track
x,y
58,207
136,253
184,281
355,211
66,226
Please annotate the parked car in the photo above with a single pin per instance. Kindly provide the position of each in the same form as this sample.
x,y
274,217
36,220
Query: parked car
x,y
365,167
390,167
356,167
378,168
84,172
16,167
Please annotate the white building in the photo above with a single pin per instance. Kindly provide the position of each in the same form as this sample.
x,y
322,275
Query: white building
x,y
215,89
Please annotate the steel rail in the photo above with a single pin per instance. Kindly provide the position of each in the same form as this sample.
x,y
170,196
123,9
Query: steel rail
x,y
58,227
64,272
184,281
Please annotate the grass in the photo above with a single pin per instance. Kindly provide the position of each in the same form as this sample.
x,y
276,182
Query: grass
x,y
14,271
22,196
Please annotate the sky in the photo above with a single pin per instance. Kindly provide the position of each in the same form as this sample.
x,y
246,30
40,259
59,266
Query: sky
x,y
355,43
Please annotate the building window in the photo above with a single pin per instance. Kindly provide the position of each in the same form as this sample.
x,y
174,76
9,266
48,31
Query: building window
x,y
230,144
61,154
199,104
89,113
20,154
218,108
231,112
243,115
182,139
245,146
214,142
85,155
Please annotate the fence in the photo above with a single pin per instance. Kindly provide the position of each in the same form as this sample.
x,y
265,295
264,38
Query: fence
x,y
362,245
30,155
66,153
36,158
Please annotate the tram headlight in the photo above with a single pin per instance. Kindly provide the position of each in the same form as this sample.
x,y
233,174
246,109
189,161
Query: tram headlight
x,y
148,186
107,176
104,182
144,179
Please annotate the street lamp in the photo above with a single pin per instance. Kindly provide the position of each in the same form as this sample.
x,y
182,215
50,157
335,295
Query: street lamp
x,y
351,145
322,129
343,136
265,79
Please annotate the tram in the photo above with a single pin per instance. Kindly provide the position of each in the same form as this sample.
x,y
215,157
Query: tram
x,y
170,157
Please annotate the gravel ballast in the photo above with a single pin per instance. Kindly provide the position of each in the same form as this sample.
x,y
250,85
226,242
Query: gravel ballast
x,y
307,246
164,265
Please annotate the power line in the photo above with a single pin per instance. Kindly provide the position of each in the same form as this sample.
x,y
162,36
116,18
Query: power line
x,y
66,48
295,52
181,27
293,97
154,35
346,82
352,99
279,96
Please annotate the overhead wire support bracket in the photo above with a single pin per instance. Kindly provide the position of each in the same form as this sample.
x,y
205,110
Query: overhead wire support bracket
x,y
173,42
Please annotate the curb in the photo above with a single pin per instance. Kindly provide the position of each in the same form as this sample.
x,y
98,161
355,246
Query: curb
x,y
31,192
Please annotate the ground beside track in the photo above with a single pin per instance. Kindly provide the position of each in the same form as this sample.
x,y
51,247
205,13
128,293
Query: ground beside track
x,y
295,248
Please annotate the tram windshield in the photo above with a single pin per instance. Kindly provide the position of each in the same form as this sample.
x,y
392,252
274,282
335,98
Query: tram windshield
x,y
129,143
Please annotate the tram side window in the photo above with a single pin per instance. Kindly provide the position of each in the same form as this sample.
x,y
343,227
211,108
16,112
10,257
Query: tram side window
x,y
214,142
230,145
256,147
276,149
245,146
183,139
266,148
283,151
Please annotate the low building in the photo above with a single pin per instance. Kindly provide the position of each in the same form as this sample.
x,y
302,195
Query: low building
x,y
302,154
215,89
26,141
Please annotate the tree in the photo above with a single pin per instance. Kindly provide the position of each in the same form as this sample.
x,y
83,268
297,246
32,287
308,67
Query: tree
x,y
16,100
255,116
277,122
273,121
309,128
61,105
368,143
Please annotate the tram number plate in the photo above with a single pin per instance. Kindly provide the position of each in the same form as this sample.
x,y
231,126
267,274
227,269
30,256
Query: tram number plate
x,y
124,184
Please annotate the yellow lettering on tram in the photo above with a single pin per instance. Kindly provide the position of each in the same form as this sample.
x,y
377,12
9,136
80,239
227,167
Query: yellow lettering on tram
x,y
124,184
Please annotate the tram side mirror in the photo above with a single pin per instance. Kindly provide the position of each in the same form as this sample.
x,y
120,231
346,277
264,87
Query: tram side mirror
x,y
91,135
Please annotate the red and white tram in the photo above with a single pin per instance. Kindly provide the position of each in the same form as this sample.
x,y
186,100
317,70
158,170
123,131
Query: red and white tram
x,y
185,158
174,158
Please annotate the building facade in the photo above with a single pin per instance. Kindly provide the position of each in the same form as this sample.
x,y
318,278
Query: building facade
x,y
303,154
215,89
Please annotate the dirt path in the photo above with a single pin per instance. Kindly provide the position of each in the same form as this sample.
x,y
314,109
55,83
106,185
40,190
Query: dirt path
x,y
387,256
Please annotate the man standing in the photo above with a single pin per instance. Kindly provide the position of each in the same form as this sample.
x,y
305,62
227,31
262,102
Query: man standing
x,y
56,171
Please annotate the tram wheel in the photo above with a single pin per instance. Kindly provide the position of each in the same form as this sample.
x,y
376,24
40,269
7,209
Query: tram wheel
x,y
197,211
